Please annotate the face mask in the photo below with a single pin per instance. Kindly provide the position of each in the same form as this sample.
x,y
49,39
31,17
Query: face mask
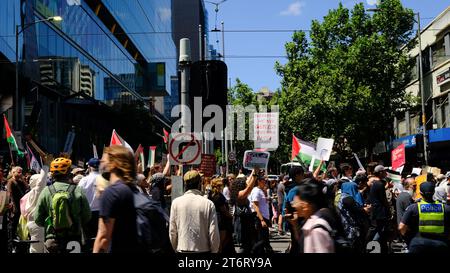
x,y
411,192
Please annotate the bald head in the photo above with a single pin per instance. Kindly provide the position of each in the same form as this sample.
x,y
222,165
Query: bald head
x,y
409,183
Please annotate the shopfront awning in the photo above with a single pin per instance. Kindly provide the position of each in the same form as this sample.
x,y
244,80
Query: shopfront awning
x,y
439,135
409,141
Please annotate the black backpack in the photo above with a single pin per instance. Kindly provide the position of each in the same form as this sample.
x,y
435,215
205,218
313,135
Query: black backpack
x,y
152,225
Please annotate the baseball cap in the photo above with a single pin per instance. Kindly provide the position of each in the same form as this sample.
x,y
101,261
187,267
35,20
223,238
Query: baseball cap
x,y
379,168
94,162
427,188
158,179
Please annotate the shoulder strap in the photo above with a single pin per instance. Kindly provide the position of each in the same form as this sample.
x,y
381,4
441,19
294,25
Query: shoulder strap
x,y
71,191
71,188
52,190
331,232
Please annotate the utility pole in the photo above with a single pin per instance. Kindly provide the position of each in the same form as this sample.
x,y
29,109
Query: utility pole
x,y
200,42
422,92
223,41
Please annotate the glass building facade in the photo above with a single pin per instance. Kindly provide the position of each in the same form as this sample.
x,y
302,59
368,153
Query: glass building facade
x,y
104,56
80,54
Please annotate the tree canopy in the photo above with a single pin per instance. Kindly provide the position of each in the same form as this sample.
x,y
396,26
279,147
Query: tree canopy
x,y
347,79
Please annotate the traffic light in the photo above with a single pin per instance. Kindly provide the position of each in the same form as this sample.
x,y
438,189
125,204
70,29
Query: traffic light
x,y
419,145
208,79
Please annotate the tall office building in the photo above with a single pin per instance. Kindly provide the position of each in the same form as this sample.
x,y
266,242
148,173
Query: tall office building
x,y
103,56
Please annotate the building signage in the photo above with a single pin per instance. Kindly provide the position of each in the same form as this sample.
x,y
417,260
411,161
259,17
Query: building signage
x,y
409,141
443,77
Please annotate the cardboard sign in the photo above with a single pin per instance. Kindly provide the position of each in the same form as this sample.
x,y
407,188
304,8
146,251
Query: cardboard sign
x,y
256,160
208,165
266,130
435,171
324,147
398,157
417,171
400,169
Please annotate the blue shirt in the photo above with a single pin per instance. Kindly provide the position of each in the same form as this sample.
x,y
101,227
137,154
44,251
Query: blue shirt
x,y
289,197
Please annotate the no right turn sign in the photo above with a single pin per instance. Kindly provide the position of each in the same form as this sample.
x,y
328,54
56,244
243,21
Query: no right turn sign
x,y
185,149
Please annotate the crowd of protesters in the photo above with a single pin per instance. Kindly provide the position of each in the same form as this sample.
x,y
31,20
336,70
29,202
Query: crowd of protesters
x,y
339,210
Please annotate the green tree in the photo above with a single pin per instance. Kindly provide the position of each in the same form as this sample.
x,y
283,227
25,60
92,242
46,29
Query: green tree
x,y
347,80
242,95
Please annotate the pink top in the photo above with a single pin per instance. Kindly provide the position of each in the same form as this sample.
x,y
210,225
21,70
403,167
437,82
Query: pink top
x,y
317,240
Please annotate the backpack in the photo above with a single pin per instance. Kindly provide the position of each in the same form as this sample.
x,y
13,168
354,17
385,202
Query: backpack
x,y
152,225
60,207
341,244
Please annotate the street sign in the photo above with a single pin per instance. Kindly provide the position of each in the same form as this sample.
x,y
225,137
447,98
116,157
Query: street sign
x,y
232,156
185,149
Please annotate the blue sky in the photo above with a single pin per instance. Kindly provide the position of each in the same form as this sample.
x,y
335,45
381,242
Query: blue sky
x,y
258,71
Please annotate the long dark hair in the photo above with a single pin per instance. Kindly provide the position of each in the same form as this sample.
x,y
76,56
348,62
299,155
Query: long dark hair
x,y
311,191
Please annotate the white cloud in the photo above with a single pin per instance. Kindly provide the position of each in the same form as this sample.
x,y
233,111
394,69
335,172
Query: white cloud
x,y
164,14
372,2
294,9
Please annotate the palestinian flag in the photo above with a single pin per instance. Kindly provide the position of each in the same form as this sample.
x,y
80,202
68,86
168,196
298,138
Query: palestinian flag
x,y
166,136
151,156
304,152
10,138
117,140
139,156
33,164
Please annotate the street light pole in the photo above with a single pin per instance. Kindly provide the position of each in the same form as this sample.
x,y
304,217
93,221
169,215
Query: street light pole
x,y
17,103
16,94
422,92
223,41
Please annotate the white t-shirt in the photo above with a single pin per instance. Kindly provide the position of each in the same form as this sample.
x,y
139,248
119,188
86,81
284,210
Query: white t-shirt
x,y
226,193
88,184
258,195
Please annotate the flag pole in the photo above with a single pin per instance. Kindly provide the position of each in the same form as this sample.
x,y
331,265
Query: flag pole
x,y
10,153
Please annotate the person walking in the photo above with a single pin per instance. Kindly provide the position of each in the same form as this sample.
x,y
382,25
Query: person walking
x,y
37,184
260,210
89,185
62,209
117,230
193,220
